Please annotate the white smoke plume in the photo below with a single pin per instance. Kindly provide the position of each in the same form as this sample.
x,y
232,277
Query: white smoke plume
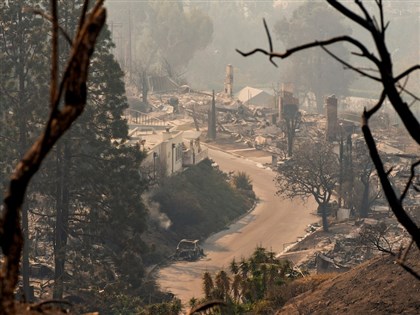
x,y
155,213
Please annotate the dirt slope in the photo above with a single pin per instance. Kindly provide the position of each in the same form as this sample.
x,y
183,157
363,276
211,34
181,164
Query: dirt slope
x,y
379,286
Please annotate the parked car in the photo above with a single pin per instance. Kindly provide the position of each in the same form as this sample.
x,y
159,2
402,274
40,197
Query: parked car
x,y
188,250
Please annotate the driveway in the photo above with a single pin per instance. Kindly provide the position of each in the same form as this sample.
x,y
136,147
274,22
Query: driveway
x,y
273,224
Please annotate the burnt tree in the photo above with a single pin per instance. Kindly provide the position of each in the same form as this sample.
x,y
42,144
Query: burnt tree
x,y
313,171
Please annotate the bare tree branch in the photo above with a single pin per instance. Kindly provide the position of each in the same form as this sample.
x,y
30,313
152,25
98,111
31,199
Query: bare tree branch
x,y
203,307
54,53
410,270
414,96
406,72
349,66
403,255
401,261
410,180
291,51
375,108
381,14
270,42
368,19
50,18
350,14
393,201
391,90
402,86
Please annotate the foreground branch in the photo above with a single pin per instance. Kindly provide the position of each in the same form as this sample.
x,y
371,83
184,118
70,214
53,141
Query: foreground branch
x,y
322,43
390,83
393,200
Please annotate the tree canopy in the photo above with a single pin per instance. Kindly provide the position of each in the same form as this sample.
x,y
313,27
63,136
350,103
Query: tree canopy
x,y
163,32
312,71
313,171
85,200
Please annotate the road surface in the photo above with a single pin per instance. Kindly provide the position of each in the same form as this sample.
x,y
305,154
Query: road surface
x,y
273,223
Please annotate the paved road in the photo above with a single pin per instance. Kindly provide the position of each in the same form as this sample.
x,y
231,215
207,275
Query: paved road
x,y
273,223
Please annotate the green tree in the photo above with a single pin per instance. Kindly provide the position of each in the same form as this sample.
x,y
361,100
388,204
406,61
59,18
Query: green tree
x,y
312,172
72,88
241,180
196,207
235,23
22,59
93,184
164,30
208,285
312,71
222,282
177,32
255,280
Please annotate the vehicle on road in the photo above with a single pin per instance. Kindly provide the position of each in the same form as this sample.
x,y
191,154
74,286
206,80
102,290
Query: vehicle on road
x,y
188,250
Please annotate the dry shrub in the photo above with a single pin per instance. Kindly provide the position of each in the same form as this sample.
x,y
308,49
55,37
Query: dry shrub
x,y
263,307
281,295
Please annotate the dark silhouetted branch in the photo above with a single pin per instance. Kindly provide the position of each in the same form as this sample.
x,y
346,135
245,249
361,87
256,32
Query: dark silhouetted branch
x,y
375,108
393,201
291,51
349,66
410,270
368,19
407,72
350,14
54,53
390,90
49,18
381,15
410,180
414,96
204,307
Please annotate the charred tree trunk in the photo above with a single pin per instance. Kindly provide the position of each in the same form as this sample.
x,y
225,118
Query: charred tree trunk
x,y
349,172
364,205
145,88
323,209
62,217
22,120
290,137
341,175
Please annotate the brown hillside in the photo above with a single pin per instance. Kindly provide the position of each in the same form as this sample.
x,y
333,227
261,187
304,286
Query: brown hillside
x,y
378,286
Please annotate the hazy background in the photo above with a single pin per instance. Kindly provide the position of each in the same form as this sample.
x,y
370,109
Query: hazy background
x,y
197,39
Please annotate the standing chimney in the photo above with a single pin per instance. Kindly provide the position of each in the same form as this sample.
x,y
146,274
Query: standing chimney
x,y
331,104
287,99
211,130
229,81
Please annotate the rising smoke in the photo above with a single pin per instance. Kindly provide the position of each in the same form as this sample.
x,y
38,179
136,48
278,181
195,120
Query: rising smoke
x,y
155,213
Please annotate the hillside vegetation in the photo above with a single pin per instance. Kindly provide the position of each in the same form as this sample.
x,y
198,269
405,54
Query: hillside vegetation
x,y
198,202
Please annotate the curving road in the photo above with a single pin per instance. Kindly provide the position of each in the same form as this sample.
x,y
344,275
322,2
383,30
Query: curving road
x,y
273,223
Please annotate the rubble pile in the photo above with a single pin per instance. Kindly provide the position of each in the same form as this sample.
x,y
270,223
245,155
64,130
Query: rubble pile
x,y
261,128
350,243
254,126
